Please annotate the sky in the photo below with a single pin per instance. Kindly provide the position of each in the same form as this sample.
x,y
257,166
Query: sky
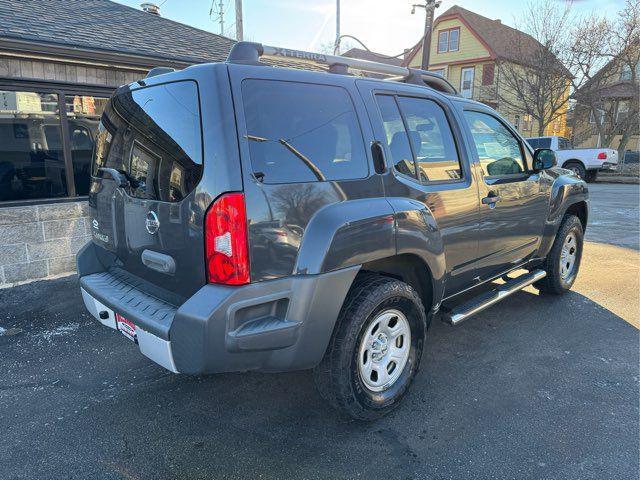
x,y
385,26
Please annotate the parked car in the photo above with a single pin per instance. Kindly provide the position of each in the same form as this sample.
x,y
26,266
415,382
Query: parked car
x,y
631,156
247,217
584,162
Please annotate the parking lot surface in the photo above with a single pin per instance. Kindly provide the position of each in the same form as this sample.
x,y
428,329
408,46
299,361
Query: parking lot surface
x,y
536,387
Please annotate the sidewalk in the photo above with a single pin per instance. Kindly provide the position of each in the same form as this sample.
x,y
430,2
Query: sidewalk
x,y
603,178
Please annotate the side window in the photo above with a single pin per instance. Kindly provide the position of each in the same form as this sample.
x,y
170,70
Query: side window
x,y
431,138
563,143
498,149
302,132
397,139
544,143
534,142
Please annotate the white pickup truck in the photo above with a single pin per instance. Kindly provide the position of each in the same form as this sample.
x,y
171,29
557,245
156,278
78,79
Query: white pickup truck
x,y
584,162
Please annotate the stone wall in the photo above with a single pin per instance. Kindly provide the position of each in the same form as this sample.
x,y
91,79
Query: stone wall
x,y
41,241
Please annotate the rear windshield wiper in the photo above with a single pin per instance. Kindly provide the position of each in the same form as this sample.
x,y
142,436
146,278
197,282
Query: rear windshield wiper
x,y
122,178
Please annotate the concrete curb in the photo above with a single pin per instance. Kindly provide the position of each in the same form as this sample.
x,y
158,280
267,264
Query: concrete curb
x,y
617,179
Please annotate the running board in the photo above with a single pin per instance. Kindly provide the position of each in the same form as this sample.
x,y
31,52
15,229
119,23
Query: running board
x,y
485,300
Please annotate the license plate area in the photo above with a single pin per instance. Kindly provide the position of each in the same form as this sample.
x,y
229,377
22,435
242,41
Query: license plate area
x,y
126,327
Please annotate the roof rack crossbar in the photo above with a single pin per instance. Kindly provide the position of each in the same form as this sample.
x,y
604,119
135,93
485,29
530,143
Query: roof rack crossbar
x,y
240,54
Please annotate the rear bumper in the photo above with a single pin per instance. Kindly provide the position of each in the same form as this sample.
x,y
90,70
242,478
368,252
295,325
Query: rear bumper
x,y
608,167
277,325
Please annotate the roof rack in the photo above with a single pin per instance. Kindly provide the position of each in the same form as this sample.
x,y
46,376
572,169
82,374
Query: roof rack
x,y
250,52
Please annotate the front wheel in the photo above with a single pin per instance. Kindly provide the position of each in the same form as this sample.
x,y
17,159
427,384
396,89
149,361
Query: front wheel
x,y
563,262
375,351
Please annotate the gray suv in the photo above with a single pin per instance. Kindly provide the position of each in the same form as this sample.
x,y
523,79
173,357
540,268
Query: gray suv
x,y
249,217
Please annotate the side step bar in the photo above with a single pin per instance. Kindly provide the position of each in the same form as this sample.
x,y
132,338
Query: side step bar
x,y
485,300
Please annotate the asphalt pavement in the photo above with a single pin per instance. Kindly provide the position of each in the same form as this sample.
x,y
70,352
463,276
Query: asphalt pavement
x,y
536,387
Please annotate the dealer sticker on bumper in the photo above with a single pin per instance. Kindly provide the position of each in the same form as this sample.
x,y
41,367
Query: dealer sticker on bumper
x,y
127,327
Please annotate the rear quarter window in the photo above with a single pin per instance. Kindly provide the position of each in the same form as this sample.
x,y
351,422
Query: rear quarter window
x,y
299,132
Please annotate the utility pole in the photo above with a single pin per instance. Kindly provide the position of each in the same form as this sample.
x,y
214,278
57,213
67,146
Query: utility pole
x,y
239,32
221,5
430,7
336,47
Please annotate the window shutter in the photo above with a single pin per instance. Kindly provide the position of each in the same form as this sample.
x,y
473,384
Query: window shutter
x,y
487,73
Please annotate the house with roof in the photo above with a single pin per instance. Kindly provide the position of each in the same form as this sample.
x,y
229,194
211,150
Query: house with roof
x,y
607,106
59,63
471,51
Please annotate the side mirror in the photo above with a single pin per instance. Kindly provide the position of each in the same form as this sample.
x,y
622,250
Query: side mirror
x,y
543,158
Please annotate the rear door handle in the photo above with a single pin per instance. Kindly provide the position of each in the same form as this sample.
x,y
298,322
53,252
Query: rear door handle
x,y
491,199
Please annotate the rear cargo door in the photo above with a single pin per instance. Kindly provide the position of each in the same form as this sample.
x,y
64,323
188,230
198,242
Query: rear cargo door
x,y
151,136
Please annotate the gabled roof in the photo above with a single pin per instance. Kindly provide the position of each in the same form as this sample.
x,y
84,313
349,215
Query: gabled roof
x,y
109,31
502,41
103,25
371,56
607,83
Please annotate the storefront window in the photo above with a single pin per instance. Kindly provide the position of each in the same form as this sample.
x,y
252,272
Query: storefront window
x,y
83,115
31,153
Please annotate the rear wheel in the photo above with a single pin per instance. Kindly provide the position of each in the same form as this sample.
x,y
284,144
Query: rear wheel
x,y
577,168
591,176
563,262
375,351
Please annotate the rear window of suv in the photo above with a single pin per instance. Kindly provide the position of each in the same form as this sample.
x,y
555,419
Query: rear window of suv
x,y
154,135
299,132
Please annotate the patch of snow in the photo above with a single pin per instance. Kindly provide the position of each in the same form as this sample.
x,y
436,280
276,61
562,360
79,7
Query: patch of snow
x,y
62,330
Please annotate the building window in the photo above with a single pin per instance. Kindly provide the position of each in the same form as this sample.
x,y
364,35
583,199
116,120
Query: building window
x,y
31,153
83,116
488,70
623,111
454,39
33,163
592,118
449,40
625,72
439,71
466,82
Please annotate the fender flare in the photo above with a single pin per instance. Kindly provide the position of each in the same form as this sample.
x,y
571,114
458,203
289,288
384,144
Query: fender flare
x,y
355,232
566,191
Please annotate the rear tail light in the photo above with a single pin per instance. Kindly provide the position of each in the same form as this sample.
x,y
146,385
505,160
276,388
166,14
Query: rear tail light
x,y
602,156
225,239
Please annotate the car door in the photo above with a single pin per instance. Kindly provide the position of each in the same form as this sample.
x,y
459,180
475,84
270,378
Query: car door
x,y
513,205
428,161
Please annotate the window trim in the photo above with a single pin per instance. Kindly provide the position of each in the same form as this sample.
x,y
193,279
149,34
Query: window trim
x,y
464,175
523,145
448,43
462,69
441,32
61,89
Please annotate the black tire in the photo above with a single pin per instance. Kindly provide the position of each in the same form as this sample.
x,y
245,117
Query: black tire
x,y
577,168
591,176
337,377
555,283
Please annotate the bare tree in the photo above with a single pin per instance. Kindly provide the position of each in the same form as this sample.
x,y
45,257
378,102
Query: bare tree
x,y
532,79
604,58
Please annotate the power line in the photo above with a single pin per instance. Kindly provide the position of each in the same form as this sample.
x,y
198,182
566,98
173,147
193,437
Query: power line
x,y
378,54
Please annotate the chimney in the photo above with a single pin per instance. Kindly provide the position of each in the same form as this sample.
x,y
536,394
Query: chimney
x,y
151,8
498,20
